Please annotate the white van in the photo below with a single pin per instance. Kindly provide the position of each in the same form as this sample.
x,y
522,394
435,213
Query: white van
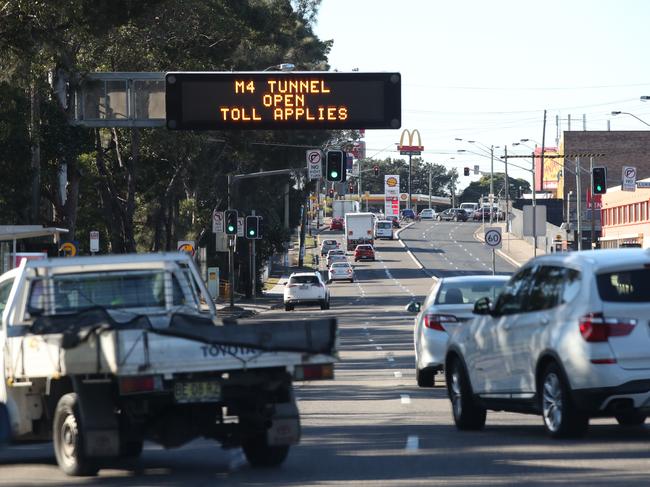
x,y
470,208
384,229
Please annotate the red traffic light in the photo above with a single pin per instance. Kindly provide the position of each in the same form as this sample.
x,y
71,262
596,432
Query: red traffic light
x,y
376,170
466,171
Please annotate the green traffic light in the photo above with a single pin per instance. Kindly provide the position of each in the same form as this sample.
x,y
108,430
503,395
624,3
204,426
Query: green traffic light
x,y
251,232
231,228
334,174
599,187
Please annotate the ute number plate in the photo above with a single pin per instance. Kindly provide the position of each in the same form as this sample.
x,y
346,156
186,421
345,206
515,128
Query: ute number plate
x,y
206,391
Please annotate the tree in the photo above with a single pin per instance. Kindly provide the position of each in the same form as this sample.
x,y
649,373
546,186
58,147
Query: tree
x,y
477,189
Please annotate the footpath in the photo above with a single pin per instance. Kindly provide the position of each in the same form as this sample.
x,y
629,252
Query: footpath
x,y
272,293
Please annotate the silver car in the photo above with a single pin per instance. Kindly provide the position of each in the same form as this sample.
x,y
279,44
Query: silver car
x,y
449,304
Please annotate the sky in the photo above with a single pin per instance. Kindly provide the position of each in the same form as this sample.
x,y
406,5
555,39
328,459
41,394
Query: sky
x,y
486,70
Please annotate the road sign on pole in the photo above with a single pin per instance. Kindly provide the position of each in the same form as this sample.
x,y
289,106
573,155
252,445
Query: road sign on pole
x,y
493,241
493,237
217,221
240,226
315,163
629,178
94,241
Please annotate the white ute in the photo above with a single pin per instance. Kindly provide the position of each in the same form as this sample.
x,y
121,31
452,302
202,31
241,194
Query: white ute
x,y
101,353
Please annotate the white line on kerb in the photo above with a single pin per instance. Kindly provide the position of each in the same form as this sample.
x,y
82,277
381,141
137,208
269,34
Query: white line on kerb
x,y
405,398
412,442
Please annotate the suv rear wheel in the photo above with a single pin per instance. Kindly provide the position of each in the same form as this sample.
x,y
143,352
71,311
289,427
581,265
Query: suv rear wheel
x,y
467,414
561,418
633,418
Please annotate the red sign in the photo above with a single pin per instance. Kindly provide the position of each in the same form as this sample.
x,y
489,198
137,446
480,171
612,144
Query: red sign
x,y
598,200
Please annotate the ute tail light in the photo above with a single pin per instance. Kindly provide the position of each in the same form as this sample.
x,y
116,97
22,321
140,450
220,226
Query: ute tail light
x,y
437,321
313,372
139,384
594,327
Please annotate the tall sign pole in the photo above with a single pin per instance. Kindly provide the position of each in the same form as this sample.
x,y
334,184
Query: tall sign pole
x,y
410,150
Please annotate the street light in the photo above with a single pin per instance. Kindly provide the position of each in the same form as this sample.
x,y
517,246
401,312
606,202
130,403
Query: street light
x,y
631,115
491,149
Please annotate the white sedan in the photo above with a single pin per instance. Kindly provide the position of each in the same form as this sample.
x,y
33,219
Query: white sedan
x,y
340,271
449,304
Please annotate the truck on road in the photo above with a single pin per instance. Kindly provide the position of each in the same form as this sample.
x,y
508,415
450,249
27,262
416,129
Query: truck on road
x,y
101,353
341,207
359,229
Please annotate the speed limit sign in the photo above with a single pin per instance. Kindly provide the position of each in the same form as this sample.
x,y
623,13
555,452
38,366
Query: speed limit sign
x,y
493,237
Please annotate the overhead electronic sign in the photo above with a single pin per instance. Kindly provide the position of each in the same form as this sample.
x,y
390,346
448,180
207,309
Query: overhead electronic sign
x,y
280,100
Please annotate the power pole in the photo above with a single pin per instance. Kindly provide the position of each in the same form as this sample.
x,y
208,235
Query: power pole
x,y
505,148
491,196
593,205
408,205
231,251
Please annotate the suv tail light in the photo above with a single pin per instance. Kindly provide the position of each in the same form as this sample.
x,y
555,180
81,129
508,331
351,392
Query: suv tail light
x,y
436,321
594,327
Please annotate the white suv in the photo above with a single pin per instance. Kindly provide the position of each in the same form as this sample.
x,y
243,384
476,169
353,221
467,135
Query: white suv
x,y
306,288
568,338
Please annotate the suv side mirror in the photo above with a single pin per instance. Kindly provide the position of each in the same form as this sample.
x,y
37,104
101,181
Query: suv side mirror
x,y
482,306
413,307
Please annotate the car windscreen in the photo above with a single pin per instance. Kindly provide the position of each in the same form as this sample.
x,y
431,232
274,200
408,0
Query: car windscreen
x,y
468,292
303,280
70,293
384,225
629,286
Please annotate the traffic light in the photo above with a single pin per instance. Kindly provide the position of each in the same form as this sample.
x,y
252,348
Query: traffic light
x,y
335,166
231,222
466,171
599,180
376,170
252,227
351,188
330,193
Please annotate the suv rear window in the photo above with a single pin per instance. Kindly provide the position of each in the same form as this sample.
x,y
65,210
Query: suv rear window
x,y
304,280
631,286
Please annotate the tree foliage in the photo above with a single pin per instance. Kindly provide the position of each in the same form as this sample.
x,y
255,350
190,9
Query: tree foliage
x,y
144,189
477,189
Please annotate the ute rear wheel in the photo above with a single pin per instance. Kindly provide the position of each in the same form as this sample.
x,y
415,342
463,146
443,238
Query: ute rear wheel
x,y
262,455
68,435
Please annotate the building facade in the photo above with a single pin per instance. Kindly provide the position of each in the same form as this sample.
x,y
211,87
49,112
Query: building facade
x,y
626,218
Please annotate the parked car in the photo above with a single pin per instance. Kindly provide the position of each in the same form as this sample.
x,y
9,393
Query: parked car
x,y
470,208
481,214
336,224
448,305
328,245
452,214
364,252
428,214
306,288
567,339
408,213
340,271
334,255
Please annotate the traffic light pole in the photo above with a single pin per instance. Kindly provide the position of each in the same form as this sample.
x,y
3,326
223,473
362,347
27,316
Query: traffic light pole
x,y
231,251
593,205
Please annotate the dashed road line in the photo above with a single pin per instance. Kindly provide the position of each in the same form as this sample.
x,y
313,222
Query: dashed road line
x,y
405,398
412,443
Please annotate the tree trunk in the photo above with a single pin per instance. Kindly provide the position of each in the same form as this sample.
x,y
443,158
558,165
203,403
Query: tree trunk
x,y
108,199
35,140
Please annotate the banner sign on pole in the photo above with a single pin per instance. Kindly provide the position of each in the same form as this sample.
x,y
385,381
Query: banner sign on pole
x,y
94,241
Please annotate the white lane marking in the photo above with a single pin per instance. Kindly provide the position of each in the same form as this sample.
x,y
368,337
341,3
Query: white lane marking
x,y
405,398
412,442
370,340
390,358
397,374
379,347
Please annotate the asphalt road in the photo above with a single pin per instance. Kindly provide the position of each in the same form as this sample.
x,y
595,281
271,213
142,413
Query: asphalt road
x,y
372,425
